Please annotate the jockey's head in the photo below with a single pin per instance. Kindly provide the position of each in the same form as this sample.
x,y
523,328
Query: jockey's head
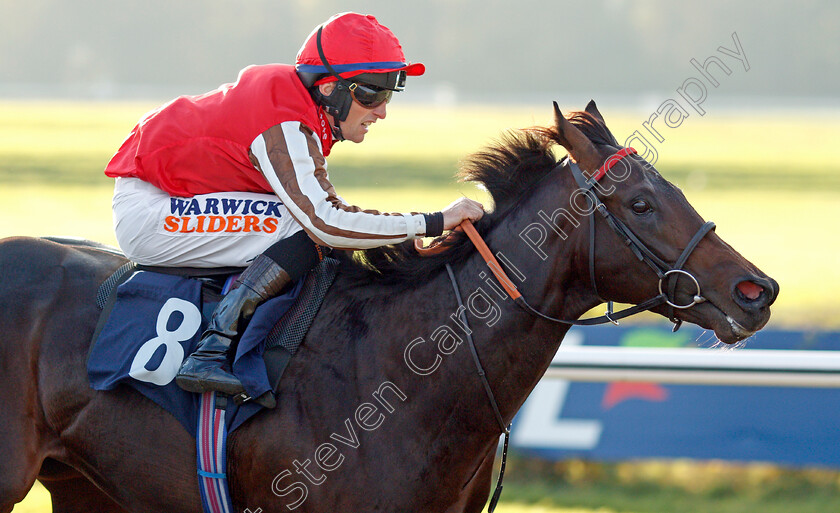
x,y
361,55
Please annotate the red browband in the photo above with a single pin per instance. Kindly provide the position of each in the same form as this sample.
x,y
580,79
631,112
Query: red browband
x,y
613,160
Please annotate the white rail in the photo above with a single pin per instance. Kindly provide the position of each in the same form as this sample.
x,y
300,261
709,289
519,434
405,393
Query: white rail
x,y
754,367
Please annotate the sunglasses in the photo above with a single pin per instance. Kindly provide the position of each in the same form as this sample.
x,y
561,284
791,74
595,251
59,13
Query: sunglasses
x,y
369,97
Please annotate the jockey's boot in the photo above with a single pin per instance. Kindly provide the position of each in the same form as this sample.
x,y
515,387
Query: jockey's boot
x,y
207,369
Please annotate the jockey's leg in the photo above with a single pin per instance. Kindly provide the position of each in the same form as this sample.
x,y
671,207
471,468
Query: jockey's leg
x,y
282,263
214,230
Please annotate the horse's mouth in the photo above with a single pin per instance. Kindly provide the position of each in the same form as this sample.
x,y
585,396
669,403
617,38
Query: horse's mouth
x,y
737,329
727,328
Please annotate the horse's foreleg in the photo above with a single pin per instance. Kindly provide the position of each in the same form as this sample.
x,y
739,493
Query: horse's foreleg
x,y
19,451
24,301
22,432
78,495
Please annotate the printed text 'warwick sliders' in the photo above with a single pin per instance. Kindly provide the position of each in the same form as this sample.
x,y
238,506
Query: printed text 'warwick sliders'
x,y
215,215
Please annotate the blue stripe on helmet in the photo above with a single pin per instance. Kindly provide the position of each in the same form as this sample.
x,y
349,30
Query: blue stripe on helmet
x,y
343,68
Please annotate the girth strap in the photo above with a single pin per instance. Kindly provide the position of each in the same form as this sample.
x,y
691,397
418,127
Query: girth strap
x,y
211,454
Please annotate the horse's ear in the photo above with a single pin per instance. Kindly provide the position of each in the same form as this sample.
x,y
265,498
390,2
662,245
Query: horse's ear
x,y
592,109
579,146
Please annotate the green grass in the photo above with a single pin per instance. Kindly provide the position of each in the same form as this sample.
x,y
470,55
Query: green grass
x,y
771,183
680,486
416,145
576,486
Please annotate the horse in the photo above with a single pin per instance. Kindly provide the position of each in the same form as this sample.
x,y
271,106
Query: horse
x,y
382,408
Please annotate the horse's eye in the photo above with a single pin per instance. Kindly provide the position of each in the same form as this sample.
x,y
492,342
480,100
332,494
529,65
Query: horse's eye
x,y
641,206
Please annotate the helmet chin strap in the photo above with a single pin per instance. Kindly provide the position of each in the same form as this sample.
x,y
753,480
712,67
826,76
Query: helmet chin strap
x,y
336,131
337,103
337,114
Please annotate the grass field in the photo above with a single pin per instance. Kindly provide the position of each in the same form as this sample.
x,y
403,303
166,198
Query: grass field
x,y
649,487
771,183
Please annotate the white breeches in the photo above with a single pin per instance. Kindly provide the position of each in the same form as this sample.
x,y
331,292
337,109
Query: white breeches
x,y
208,230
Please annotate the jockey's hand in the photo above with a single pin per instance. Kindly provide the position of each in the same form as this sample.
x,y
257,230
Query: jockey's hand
x,y
459,210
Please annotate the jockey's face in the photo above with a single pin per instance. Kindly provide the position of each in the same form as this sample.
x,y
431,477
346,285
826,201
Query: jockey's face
x,y
358,119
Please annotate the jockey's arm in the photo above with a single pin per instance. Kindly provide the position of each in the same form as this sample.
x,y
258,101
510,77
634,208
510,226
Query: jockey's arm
x,y
289,157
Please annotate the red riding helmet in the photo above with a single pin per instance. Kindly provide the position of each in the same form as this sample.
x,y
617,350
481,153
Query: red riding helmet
x,y
353,48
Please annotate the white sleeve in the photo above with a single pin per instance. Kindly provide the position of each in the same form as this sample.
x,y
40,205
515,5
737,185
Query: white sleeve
x,y
291,159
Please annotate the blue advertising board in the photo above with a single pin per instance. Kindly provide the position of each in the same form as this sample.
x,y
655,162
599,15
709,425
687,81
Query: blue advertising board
x,y
638,420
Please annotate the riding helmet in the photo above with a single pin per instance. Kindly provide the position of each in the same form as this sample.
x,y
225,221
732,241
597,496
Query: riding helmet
x,y
352,47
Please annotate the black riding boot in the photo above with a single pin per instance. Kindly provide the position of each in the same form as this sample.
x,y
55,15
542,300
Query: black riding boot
x,y
208,368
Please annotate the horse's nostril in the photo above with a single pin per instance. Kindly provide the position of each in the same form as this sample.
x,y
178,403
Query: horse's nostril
x,y
750,290
775,285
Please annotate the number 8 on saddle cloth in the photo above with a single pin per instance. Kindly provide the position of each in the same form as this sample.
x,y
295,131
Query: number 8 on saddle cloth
x,y
151,321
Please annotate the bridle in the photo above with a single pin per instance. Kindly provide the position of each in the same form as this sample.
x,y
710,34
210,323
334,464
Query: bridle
x,y
668,274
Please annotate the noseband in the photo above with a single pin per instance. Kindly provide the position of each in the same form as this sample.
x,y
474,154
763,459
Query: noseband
x,y
668,274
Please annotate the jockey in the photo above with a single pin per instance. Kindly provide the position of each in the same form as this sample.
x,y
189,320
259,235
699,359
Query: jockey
x,y
238,177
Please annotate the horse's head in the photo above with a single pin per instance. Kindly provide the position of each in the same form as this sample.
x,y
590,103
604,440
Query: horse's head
x,y
730,295
648,246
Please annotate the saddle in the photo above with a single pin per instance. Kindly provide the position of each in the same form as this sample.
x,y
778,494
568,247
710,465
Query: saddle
x,y
182,300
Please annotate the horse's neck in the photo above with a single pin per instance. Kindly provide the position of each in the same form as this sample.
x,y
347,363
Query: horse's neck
x,y
514,346
406,352
435,361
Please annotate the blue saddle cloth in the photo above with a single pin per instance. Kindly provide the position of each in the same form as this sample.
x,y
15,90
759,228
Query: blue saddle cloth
x,y
155,323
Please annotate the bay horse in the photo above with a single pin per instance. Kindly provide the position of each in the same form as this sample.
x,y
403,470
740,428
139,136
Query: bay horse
x,y
381,409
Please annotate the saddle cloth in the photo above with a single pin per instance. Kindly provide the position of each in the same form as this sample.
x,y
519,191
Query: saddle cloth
x,y
151,322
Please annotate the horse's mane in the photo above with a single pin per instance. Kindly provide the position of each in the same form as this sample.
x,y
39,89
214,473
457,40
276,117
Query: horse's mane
x,y
507,168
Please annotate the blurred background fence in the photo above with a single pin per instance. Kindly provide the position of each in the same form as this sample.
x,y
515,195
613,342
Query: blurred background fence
x,y
630,393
